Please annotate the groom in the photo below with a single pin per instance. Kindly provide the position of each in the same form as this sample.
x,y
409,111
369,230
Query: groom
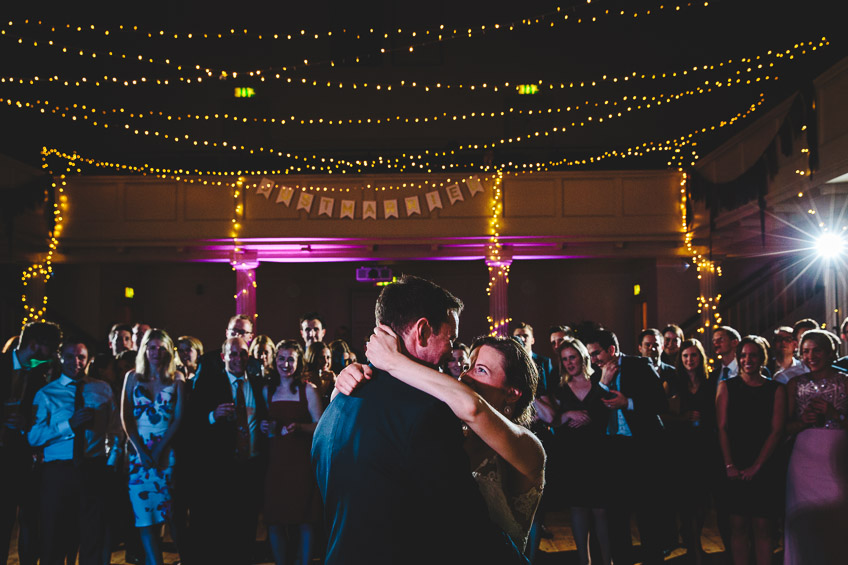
x,y
389,459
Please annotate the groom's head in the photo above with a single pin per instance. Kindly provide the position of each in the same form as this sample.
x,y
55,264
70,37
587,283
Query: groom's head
x,y
423,314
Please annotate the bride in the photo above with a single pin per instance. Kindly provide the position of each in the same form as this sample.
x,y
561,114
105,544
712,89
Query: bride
x,y
494,399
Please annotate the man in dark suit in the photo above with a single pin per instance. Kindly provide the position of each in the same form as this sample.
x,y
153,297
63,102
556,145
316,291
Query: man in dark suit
x,y
650,345
22,373
224,413
389,459
543,364
635,397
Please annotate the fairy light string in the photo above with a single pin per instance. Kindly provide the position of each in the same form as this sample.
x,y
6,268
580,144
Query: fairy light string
x,y
91,115
417,39
40,272
745,65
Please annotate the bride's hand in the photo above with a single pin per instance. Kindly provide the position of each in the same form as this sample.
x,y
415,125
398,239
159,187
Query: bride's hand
x,y
383,348
351,377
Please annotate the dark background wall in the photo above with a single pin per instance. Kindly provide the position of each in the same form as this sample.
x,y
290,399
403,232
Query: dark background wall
x,y
197,298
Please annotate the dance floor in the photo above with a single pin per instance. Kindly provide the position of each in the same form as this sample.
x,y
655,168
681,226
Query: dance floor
x,y
558,549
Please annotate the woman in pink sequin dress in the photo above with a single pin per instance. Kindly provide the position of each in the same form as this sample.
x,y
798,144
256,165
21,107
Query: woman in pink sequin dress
x,y
817,484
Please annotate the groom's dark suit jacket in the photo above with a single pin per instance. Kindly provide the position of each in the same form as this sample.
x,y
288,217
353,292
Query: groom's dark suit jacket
x,y
396,482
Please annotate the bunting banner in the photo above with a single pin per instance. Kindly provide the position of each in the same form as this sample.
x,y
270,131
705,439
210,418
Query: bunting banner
x,y
285,195
369,209
413,205
434,200
304,202
454,193
390,208
266,186
347,209
474,185
325,206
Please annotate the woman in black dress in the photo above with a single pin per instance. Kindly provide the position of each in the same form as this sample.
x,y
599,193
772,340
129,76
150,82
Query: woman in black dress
x,y
751,412
575,464
692,430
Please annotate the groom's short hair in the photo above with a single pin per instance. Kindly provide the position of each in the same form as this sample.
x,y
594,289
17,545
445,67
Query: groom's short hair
x,y
406,301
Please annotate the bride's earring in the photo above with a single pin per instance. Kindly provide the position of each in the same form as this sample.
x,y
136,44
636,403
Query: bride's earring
x,y
507,410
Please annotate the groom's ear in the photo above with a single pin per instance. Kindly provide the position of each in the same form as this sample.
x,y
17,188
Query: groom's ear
x,y
423,331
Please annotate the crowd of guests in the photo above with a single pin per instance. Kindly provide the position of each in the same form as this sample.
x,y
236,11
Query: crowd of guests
x,y
662,435
99,450
108,449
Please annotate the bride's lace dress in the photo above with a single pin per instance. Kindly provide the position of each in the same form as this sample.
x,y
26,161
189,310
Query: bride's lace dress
x,y
513,513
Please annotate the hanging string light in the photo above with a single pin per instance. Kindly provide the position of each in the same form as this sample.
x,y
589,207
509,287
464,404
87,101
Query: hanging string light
x,y
417,39
746,65
42,271
88,114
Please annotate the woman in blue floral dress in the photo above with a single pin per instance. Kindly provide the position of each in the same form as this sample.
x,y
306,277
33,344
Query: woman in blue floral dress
x,y
151,411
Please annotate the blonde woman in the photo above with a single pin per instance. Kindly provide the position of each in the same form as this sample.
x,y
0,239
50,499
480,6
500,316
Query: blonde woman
x,y
151,411
579,474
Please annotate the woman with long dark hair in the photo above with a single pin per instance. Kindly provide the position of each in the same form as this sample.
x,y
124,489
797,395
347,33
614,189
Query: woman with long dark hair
x,y
317,363
751,413
494,398
292,499
692,431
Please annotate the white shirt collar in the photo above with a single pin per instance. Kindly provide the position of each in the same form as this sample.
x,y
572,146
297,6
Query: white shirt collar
x,y
65,380
233,377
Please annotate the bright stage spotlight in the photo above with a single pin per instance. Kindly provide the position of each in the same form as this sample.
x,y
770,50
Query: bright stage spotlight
x,y
830,245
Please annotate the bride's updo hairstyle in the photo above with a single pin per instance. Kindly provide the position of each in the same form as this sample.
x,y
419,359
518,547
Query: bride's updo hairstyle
x,y
521,374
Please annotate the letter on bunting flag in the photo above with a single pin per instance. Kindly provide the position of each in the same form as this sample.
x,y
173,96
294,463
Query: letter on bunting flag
x,y
390,208
285,195
454,193
325,206
305,201
413,205
265,187
434,200
347,209
369,209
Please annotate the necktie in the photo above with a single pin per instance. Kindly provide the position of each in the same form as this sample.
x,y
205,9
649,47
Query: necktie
x,y
79,433
612,425
242,429
725,373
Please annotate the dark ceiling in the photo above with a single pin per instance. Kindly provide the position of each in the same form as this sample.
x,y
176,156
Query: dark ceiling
x,y
360,43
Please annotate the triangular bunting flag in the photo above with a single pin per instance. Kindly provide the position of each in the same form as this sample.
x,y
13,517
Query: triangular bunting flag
x,y
434,200
325,206
369,209
305,201
413,205
390,208
285,195
454,193
265,187
474,185
347,209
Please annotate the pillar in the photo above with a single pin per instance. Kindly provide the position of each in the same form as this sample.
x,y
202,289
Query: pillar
x,y
245,267
834,295
498,303
708,302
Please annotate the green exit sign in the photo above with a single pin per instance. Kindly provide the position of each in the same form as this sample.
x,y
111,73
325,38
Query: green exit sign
x,y
528,88
245,92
